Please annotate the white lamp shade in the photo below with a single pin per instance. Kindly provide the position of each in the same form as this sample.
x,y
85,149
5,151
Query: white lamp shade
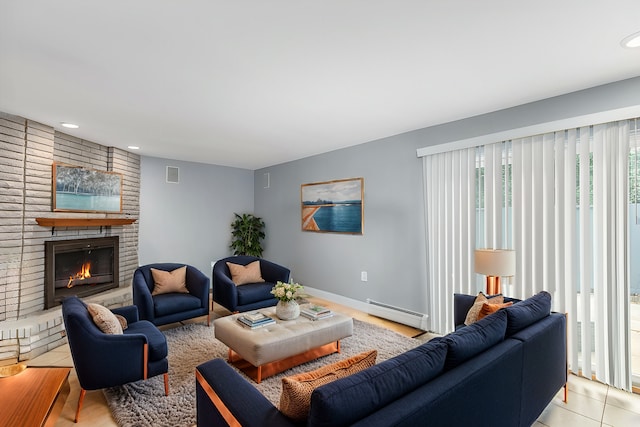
x,y
495,262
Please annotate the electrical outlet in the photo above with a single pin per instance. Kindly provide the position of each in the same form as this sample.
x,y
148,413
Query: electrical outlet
x,y
363,276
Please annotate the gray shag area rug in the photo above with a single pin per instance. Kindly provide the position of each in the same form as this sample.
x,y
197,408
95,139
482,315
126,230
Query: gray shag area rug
x,y
143,403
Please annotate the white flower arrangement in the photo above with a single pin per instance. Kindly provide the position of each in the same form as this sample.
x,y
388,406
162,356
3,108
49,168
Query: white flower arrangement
x,y
286,291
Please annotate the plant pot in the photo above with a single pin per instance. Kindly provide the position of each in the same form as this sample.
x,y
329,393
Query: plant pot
x,y
287,310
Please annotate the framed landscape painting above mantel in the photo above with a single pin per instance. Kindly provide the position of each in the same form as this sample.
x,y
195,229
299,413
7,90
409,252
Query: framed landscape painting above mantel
x,y
333,206
79,189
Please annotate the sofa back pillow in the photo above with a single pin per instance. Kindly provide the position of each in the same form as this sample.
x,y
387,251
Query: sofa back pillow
x,y
349,399
488,309
466,342
527,312
481,299
295,398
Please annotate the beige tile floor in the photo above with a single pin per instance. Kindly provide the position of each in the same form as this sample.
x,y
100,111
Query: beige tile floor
x,y
590,403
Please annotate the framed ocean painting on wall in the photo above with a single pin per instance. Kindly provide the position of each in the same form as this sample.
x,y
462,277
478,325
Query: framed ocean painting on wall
x,y
79,189
333,206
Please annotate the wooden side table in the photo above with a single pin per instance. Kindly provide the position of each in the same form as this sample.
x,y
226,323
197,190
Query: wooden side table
x,y
34,397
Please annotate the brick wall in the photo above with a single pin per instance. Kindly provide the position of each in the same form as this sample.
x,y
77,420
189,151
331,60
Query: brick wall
x,y
27,152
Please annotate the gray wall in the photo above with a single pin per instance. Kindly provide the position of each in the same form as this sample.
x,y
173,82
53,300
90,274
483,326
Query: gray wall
x,y
392,247
190,222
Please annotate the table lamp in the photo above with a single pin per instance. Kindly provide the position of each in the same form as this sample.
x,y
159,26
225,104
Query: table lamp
x,y
495,263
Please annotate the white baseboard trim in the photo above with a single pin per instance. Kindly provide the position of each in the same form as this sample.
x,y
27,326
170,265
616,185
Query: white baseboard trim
x,y
339,299
413,319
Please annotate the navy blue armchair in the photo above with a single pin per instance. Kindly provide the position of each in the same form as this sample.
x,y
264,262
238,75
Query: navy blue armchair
x,y
172,307
103,360
250,296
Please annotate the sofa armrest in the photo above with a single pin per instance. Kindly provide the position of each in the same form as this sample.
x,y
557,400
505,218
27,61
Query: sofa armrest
x,y
223,395
461,305
198,285
545,362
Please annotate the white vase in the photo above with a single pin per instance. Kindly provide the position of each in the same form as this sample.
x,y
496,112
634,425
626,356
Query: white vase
x,y
287,310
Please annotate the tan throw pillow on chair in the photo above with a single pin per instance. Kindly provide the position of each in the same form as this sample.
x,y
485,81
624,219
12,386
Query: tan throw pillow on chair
x,y
104,319
123,321
169,281
243,274
295,399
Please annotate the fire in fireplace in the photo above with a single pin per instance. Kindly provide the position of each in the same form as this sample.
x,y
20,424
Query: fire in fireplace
x,y
80,276
80,267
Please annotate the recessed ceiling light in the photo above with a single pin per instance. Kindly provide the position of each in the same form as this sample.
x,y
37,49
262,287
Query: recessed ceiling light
x,y
631,41
69,125
133,147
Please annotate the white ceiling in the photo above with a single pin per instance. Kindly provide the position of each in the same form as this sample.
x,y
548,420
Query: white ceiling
x,y
259,82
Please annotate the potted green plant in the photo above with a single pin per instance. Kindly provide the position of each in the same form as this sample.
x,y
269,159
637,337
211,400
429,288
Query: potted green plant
x,y
247,233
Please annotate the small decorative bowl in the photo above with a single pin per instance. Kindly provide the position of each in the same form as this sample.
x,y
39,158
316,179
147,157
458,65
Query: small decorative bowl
x,y
10,370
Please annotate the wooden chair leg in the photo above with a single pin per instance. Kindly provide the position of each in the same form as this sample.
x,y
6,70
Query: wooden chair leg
x,y
80,400
208,319
166,384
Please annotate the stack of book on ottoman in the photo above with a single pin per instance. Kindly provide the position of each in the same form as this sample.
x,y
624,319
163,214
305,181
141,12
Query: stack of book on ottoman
x,y
255,319
315,312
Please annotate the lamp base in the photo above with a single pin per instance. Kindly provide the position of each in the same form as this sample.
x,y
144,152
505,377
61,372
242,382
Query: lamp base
x,y
493,285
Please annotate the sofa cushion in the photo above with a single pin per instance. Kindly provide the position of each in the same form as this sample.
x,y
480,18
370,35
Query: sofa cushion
x,y
296,389
472,314
527,312
254,292
243,274
165,282
348,399
466,342
166,304
157,341
104,319
488,309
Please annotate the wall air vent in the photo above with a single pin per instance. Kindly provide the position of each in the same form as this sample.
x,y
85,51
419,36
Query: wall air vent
x,y
173,174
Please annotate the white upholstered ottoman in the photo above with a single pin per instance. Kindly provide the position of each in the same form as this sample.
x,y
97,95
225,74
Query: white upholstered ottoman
x,y
271,349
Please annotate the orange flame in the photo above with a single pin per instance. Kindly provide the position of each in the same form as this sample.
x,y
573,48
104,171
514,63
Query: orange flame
x,y
84,273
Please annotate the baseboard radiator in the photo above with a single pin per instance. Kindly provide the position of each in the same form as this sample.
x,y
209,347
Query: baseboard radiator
x,y
398,314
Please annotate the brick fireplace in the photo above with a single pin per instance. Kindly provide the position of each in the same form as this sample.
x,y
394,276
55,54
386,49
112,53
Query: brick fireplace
x,y
30,324
79,267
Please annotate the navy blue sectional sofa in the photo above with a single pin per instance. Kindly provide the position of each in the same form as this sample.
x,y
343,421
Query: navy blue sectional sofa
x,y
500,371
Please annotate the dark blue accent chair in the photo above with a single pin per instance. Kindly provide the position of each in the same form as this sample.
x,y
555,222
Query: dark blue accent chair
x,y
102,360
250,296
173,307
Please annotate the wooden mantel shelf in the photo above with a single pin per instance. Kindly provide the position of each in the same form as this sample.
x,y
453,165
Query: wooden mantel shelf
x,y
83,222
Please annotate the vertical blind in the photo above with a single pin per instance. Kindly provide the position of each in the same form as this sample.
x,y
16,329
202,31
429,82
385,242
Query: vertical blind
x,y
560,200
449,180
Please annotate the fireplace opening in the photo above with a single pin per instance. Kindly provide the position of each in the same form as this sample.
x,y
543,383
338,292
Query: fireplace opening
x,y
80,267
